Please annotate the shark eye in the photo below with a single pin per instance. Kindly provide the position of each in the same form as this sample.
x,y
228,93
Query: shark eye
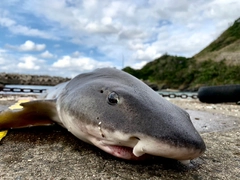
x,y
113,98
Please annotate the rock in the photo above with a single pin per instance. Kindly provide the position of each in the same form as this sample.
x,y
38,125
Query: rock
x,y
152,85
24,79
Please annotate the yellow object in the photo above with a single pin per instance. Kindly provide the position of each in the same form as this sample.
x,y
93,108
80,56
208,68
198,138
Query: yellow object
x,y
15,106
3,134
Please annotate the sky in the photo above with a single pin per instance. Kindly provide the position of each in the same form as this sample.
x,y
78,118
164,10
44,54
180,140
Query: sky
x,y
69,37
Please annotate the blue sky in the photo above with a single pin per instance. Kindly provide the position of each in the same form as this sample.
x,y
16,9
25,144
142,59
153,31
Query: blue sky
x,y
68,37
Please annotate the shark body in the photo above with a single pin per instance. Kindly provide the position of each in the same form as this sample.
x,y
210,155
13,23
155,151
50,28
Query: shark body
x,y
117,113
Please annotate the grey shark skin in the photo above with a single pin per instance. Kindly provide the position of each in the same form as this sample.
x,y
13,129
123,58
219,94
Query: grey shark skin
x,y
122,116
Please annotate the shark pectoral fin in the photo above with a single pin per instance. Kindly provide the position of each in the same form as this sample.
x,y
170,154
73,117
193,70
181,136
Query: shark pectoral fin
x,y
33,113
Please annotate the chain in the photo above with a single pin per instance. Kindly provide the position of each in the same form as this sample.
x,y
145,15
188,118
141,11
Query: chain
x,y
183,96
23,90
29,90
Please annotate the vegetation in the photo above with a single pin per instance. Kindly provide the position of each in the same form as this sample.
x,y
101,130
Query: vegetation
x,y
185,73
228,37
217,64
225,46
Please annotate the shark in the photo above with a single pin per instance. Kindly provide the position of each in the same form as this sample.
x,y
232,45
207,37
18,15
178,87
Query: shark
x,y
115,112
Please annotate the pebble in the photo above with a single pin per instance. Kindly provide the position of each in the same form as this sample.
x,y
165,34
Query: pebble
x,y
230,109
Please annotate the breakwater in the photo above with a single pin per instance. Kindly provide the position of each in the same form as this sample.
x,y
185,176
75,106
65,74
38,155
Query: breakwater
x,y
23,79
42,80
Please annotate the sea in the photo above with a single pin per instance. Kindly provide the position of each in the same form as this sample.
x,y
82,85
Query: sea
x,y
28,86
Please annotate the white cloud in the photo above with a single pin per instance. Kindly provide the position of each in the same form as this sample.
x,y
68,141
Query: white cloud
x,y
106,20
146,54
7,61
27,46
19,29
6,22
133,34
31,46
139,65
23,30
46,54
2,56
29,63
76,54
96,23
25,64
99,28
79,64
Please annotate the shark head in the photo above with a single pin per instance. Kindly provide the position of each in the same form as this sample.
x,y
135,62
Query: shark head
x,y
124,117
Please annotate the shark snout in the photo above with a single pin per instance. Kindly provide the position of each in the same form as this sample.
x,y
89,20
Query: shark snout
x,y
169,134
166,132
140,146
173,136
178,150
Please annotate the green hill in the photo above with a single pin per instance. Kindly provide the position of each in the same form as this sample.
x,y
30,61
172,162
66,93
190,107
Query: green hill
x,y
217,64
186,73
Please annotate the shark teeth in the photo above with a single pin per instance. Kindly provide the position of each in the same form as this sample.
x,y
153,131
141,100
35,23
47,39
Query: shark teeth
x,y
138,149
125,153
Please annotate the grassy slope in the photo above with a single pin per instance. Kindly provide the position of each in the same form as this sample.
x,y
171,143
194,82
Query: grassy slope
x,y
226,46
217,64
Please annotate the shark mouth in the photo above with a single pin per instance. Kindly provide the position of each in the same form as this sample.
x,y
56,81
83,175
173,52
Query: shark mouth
x,y
132,146
127,153
141,152
121,150
144,148
124,152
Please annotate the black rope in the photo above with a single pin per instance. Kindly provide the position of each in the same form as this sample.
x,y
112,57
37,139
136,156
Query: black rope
x,y
23,90
183,96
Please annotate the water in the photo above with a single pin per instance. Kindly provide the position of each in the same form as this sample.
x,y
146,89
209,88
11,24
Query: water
x,y
28,86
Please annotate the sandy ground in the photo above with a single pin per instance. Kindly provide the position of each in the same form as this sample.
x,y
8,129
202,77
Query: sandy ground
x,y
53,153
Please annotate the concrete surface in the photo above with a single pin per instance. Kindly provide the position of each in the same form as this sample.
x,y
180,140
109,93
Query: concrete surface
x,y
53,153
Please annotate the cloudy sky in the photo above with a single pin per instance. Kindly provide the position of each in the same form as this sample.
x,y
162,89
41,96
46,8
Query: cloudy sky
x,y
68,37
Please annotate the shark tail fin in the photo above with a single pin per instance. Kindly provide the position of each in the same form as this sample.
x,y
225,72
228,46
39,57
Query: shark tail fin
x,y
27,114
